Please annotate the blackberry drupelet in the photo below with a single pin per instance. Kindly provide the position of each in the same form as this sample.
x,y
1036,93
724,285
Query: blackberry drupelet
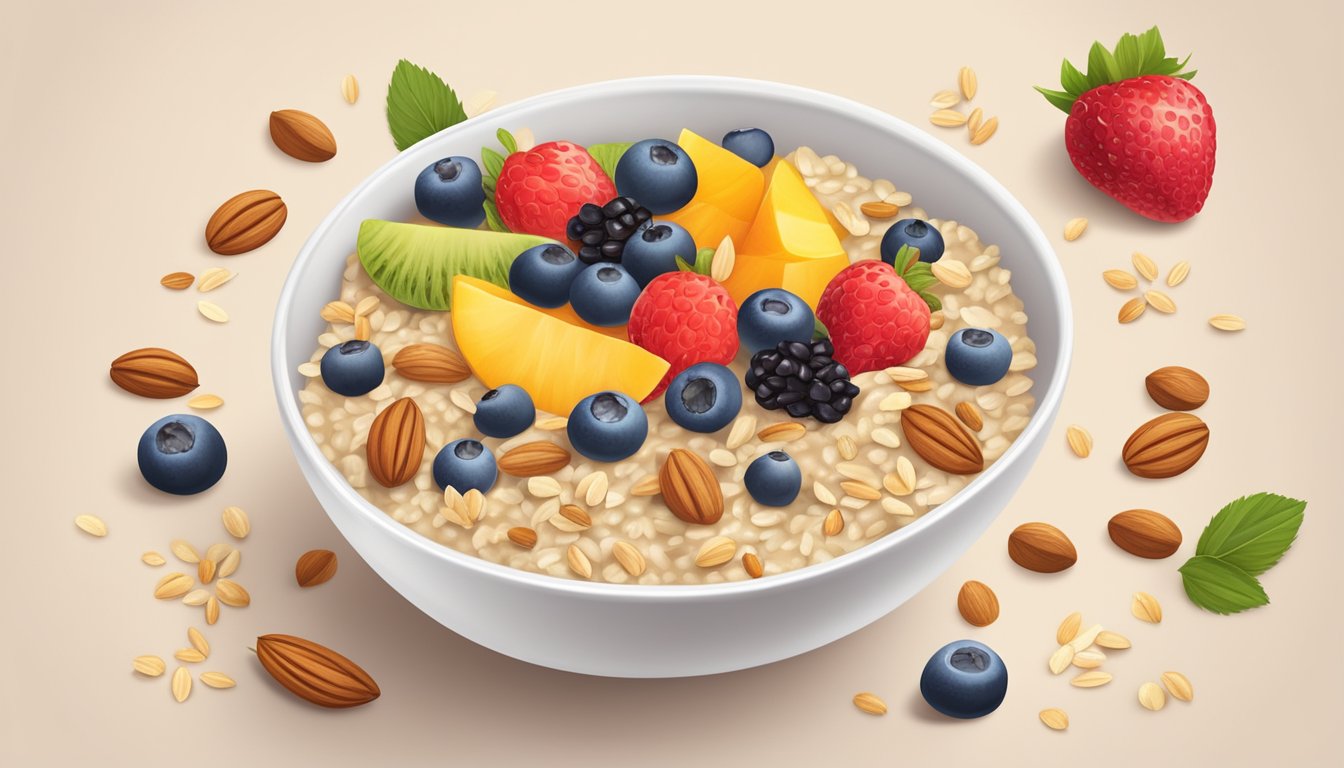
x,y
803,379
601,231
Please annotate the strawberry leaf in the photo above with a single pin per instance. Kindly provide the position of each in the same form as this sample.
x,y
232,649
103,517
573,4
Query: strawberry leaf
x,y
419,104
819,331
492,164
506,141
607,155
906,256
1133,56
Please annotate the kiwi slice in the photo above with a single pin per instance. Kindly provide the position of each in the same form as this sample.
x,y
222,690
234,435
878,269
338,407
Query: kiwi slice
x,y
415,264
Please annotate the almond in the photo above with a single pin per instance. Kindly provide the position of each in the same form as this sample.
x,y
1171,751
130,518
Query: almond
x,y
431,362
315,673
936,436
539,457
396,443
978,604
314,567
523,537
1176,388
245,222
1145,533
154,372
752,565
302,136
177,281
970,415
879,210
1041,547
690,489
1166,446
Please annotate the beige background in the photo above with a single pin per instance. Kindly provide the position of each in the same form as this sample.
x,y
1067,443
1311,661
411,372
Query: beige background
x,y
126,124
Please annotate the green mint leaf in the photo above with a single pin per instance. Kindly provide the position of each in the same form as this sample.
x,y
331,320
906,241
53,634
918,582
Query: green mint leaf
x,y
1220,587
607,155
492,217
1253,532
419,104
492,163
506,141
819,331
683,265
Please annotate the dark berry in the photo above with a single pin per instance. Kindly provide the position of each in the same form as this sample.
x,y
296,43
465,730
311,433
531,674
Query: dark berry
x,y
449,191
658,173
607,426
353,368
977,356
751,144
465,465
504,411
703,398
774,479
542,274
915,233
182,454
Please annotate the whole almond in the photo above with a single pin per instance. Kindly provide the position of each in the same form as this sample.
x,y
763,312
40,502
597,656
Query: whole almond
x,y
1166,446
1176,388
1041,547
753,565
396,444
153,372
433,363
970,415
245,222
1145,533
978,604
523,537
1178,686
315,673
302,136
940,440
539,457
177,281
870,703
314,567
690,489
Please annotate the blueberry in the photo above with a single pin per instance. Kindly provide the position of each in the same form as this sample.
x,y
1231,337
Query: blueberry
x,y
653,249
603,294
353,368
657,173
607,426
704,397
504,411
182,454
774,479
465,464
772,315
977,356
449,192
964,679
751,144
542,274
915,233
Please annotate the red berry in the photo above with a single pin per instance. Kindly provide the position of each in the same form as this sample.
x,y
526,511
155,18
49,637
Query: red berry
x,y
875,320
685,319
540,190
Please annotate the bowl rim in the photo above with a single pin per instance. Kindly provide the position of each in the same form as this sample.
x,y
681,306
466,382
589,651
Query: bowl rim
x,y
301,440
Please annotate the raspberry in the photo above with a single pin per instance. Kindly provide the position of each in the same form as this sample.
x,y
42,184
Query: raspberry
x,y
685,319
539,190
874,319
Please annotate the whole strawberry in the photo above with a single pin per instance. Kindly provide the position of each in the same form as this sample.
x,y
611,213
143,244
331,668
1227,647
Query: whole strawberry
x,y
539,190
875,318
1137,129
684,318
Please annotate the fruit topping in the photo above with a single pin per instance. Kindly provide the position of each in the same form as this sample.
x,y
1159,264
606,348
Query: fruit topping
x,y
504,411
802,378
182,454
684,318
964,679
549,353
415,263
353,368
465,465
603,294
751,144
774,479
704,397
542,274
874,317
654,248
977,356
728,196
602,230
539,190
915,233
449,191
658,173
772,315
607,426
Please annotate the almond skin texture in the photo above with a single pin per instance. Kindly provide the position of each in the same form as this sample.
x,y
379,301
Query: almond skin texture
x,y
245,222
153,372
315,567
536,458
396,444
1145,533
690,488
315,673
1042,548
939,439
978,604
1166,446
432,363
302,136
1176,388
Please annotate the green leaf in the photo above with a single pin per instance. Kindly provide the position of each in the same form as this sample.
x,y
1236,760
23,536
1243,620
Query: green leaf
x,y
419,104
607,155
920,276
684,265
1221,587
1253,532
1074,82
819,331
1059,99
1133,56
1101,66
933,301
506,141
906,256
492,217
1128,58
491,162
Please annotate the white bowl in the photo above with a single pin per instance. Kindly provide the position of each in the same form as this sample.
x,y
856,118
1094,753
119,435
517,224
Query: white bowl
x,y
671,631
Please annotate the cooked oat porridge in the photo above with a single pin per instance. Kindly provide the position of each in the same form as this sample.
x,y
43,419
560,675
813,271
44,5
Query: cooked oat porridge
x,y
862,474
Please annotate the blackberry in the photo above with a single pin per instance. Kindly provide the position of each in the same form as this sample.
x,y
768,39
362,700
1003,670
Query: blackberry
x,y
803,379
601,231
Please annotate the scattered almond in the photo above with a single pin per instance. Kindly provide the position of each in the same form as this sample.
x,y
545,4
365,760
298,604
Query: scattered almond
x,y
978,604
1041,547
315,673
1068,628
1130,310
149,666
1080,441
859,490
1061,659
690,489
232,594
177,281
985,131
339,312
189,656
954,274
205,402
1178,274
630,558
211,610
173,585
1176,388
970,415
753,566
579,562
1120,280
212,312
578,519
363,328
152,559
715,552
217,680
647,486
1166,446
947,118
213,278
1145,266
245,222
302,136
153,372
782,432
1055,719
1074,228
834,523
870,703
181,685
940,440
350,89
975,120
396,443
314,567
1230,323
1160,301
1086,638
196,597
1178,686
91,524
968,82
1151,697
879,210
523,537
1091,679
205,571
1088,659
944,99
723,261
236,522
552,423
1146,608
540,457
1145,533
1112,640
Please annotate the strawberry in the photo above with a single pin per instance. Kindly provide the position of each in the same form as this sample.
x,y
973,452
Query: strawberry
x,y
876,316
1137,129
684,318
538,191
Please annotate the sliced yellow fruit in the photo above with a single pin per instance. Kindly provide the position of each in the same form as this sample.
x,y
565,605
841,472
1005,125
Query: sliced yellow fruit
x,y
727,197
508,341
805,279
769,171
